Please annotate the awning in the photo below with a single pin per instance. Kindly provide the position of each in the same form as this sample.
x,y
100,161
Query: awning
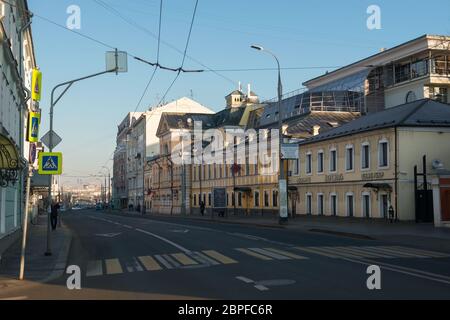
x,y
378,186
243,189
9,161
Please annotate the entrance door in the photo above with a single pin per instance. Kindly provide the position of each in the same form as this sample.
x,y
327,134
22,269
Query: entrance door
x,y
384,203
424,208
445,204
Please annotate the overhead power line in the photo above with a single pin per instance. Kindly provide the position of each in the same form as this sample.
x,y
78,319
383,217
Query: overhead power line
x,y
184,53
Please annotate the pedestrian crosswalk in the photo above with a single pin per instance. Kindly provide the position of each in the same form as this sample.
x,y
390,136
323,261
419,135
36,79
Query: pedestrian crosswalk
x,y
208,258
374,252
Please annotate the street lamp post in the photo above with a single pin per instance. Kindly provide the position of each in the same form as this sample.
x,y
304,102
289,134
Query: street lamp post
x,y
282,183
53,102
109,187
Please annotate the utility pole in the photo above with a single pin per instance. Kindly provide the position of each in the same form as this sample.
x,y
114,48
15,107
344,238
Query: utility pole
x,y
282,181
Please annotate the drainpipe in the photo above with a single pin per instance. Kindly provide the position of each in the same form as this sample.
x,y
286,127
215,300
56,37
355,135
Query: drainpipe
x,y
396,173
22,114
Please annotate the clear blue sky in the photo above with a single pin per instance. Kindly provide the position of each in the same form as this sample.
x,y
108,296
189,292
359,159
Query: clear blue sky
x,y
302,33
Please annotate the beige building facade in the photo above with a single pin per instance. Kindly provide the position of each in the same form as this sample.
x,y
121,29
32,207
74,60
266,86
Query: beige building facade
x,y
363,168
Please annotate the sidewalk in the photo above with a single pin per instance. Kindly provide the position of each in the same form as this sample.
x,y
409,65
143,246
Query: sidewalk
x,y
38,267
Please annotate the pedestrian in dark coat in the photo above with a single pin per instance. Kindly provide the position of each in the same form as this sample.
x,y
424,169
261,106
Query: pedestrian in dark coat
x,y
54,215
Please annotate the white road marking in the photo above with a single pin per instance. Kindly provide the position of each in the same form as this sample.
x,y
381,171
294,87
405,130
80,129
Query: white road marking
x,y
270,254
165,240
171,260
94,268
246,280
261,287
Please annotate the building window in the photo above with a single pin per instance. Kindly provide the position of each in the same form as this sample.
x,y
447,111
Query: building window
x,y
349,158
383,154
320,162
350,205
366,205
320,204
365,156
266,199
256,197
308,166
333,204
228,199
240,199
233,199
274,198
296,167
209,199
309,204
333,160
195,199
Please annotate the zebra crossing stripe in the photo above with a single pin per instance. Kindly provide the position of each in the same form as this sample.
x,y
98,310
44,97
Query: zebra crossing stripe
x,y
362,252
270,254
403,253
113,266
253,254
425,252
219,257
317,250
149,263
184,259
342,252
171,260
163,261
204,258
94,268
373,250
286,253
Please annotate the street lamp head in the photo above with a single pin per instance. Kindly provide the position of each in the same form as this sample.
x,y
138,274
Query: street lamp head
x,y
257,47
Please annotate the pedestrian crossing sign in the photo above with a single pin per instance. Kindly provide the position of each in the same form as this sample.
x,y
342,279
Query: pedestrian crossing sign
x,y
34,119
50,163
36,85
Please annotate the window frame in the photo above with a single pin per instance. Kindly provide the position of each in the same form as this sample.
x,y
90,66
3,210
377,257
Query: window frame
x,y
308,163
364,145
322,162
383,141
335,160
347,148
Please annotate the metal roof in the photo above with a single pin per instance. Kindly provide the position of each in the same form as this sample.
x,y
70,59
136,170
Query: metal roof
x,y
424,113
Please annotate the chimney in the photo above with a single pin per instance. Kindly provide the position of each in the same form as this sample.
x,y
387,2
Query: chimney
x,y
240,86
316,130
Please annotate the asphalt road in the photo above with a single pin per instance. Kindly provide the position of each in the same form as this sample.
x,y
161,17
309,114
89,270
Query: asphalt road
x,y
123,257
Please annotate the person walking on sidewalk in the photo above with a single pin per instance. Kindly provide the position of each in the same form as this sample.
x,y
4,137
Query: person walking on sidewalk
x,y
54,215
202,208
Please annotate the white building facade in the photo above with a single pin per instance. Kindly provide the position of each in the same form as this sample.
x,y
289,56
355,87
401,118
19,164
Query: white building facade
x,y
17,61
141,143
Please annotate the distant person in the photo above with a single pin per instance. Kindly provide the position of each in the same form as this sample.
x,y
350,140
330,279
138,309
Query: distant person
x,y
202,208
54,215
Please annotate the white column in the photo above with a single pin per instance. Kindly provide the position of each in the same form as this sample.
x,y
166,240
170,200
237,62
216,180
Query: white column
x,y
2,210
436,202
